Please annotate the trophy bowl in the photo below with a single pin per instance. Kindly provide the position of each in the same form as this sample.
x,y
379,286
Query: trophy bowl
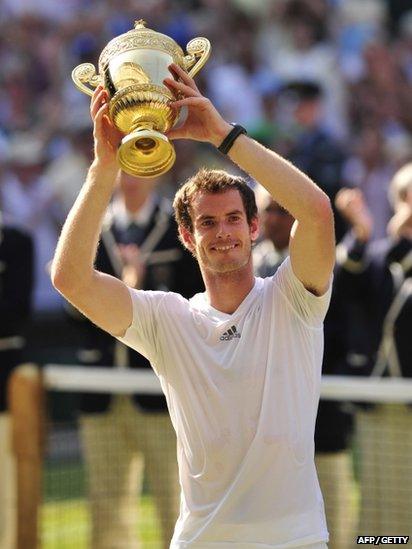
x,y
132,68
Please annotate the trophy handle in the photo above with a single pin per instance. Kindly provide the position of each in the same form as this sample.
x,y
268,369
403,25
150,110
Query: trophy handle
x,y
86,74
199,51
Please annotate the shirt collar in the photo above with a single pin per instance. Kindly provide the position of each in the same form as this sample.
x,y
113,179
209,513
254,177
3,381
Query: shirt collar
x,y
201,302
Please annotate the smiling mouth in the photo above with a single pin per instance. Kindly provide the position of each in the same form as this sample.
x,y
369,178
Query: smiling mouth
x,y
224,248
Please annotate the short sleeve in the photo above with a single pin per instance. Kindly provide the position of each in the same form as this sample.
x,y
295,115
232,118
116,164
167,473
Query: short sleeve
x,y
142,333
310,308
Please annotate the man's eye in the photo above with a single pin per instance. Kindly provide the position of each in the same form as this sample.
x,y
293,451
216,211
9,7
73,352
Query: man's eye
x,y
234,218
207,223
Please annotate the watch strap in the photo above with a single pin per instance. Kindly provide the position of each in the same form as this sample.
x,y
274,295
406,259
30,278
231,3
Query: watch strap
x,y
228,141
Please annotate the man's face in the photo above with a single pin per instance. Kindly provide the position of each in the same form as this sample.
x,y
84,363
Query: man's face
x,y
307,112
222,238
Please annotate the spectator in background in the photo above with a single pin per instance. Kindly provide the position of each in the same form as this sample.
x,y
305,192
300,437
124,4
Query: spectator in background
x,y
377,98
378,276
16,282
402,53
276,223
123,436
67,171
234,85
29,203
370,170
307,54
356,24
334,425
311,147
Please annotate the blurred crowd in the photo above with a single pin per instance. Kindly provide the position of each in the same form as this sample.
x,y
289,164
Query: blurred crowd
x,y
359,54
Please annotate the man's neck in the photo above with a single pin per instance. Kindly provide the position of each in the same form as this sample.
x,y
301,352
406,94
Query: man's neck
x,y
226,291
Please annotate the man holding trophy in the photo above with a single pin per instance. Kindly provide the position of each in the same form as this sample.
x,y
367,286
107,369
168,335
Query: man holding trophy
x,y
240,365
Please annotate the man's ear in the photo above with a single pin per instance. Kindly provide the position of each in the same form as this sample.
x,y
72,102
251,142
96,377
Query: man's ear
x,y
187,239
254,229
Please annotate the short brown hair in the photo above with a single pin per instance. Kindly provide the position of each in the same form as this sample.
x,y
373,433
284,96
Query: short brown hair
x,y
211,181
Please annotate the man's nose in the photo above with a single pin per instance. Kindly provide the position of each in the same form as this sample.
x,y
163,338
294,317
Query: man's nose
x,y
223,230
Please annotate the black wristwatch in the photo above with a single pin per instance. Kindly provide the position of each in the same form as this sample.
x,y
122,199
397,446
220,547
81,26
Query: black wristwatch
x,y
228,141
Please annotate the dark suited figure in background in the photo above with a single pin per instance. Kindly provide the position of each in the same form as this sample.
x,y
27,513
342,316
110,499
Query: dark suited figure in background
x,y
312,148
333,426
16,284
377,277
123,436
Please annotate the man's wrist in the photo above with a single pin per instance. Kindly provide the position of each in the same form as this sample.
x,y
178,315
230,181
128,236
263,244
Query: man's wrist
x,y
236,131
105,175
106,168
221,134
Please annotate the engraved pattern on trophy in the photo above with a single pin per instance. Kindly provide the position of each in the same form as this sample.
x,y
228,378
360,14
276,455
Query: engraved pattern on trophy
x,y
132,69
141,42
146,108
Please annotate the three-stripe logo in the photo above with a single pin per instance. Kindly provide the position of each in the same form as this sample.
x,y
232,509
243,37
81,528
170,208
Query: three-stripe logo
x,y
231,333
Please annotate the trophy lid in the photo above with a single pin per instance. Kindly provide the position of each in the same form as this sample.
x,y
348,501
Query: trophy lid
x,y
140,37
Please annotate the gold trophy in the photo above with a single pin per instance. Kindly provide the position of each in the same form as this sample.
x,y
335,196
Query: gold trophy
x,y
132,68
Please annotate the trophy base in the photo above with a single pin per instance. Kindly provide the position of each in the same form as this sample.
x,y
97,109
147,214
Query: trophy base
x,y
146,153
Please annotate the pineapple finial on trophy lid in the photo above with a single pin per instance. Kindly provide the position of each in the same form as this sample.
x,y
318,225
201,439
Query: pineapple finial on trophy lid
x,y
140,24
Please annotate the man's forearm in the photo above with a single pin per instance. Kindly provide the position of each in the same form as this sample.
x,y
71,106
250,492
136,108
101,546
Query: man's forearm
x,y
75,253
288,186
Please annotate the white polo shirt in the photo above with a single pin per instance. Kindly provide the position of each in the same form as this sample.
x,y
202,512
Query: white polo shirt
x,y
242,391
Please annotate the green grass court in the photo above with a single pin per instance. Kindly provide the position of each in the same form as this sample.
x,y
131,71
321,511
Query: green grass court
x,y
64,521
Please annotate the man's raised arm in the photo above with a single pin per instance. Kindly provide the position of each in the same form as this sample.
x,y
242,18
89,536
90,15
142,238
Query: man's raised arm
x,y
312,245
104,299
312,240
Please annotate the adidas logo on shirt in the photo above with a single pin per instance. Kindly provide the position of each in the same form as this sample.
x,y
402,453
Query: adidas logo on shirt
x,y
232,333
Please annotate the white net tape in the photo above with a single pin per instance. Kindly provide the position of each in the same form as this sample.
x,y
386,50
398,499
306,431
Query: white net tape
x,y
103,380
